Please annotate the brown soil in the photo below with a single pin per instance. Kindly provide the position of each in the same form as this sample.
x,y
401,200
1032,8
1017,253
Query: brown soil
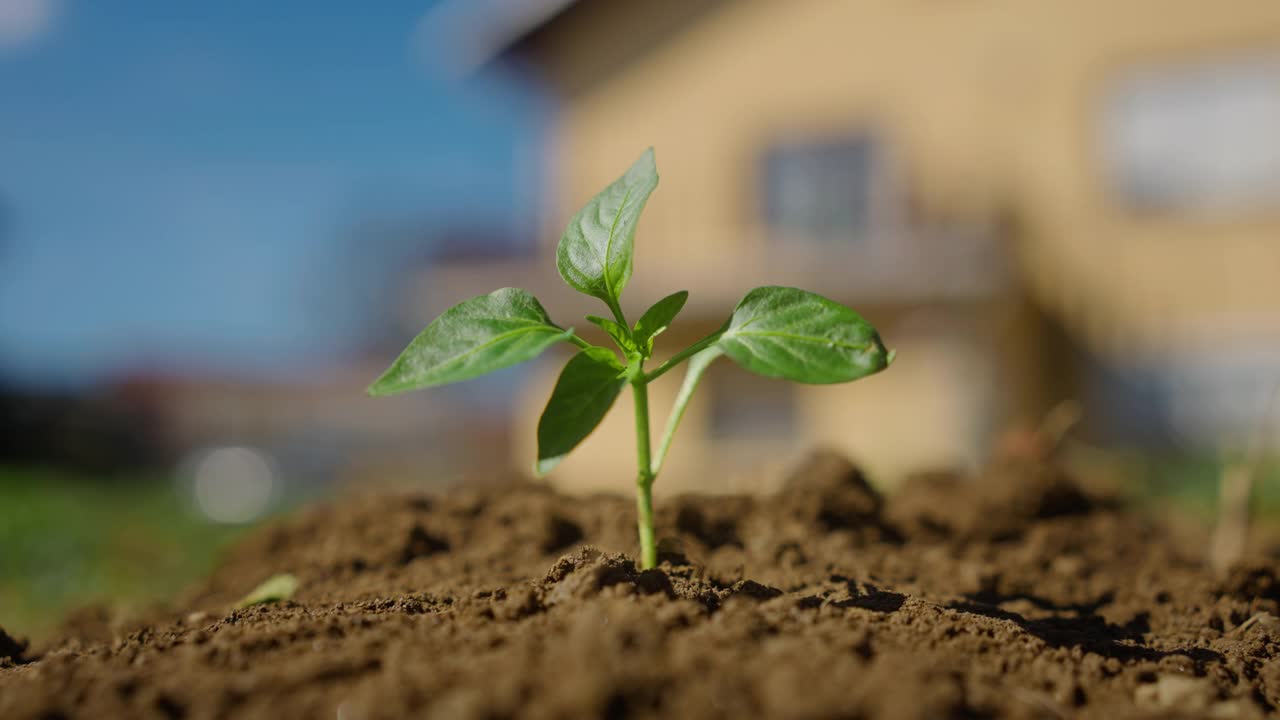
x,y
1014,595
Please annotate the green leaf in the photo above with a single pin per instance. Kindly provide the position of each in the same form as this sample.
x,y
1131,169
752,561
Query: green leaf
x,y
619,333
596,251
658,318
798,335
472,338
274,589
583,395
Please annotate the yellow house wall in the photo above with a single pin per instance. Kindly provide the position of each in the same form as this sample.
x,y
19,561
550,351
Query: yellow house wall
x,y
987,106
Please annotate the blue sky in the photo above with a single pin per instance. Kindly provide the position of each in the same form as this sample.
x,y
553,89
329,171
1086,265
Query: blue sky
x,y
180,175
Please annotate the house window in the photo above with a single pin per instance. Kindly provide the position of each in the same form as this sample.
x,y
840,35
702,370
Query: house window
x,y
822,189
1203,138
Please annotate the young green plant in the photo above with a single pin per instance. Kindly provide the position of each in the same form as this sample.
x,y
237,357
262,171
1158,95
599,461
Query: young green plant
x,y
777,332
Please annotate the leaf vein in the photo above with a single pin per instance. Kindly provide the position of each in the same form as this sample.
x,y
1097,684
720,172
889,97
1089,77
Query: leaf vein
x,y
800,338
495,339
608,247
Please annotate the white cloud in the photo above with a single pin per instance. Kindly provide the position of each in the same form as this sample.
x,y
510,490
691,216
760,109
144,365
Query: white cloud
x,y
23,22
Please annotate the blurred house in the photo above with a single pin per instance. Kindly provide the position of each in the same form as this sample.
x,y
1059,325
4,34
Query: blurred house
x,y
240,445
1031,200
312,421
309,422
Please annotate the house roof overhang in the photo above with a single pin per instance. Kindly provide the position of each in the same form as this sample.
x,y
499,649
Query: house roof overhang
x,y
472,35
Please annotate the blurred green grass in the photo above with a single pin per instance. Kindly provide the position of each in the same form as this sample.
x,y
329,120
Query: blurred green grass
x,y
67,541
1189,483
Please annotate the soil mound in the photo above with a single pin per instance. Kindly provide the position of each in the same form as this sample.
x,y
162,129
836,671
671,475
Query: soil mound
x,y
11,650
1015,595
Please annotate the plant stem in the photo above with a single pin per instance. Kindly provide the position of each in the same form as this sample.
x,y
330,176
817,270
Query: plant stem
x,y
616,309
683,355
644,476
697,366
580,342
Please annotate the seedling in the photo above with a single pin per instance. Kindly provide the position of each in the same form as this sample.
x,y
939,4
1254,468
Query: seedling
x,y
276,588
777,332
